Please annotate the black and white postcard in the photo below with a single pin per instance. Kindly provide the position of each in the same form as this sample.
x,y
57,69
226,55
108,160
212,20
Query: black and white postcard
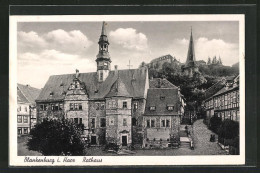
x,y
93,90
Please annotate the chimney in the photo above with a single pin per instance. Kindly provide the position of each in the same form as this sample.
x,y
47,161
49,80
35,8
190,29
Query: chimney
x,y
116,67
77,73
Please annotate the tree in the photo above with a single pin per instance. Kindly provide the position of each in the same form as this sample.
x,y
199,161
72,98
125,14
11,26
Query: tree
x,y
214,60
228,129
143,64
57,137
215,123
209,61
219,60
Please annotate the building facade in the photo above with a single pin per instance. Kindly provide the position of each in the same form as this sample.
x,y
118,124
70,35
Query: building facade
x,y
109,104
26,108
158,62
225,102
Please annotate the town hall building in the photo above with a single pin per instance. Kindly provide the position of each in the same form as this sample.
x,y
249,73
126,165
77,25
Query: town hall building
x,y
113,106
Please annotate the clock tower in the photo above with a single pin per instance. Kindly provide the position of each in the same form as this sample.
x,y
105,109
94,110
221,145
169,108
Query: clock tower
x,y
103,57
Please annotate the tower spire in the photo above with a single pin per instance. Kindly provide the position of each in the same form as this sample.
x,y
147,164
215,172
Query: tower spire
x,y
103,31
103,57
190,62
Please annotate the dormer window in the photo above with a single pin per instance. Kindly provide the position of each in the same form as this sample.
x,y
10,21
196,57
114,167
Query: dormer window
x,y
152,108
170,108
162,97
51,93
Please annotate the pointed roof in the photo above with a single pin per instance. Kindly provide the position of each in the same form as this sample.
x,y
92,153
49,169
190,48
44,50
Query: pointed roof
x,y
95,89
118,89
190,62
27,94
103,36
104,32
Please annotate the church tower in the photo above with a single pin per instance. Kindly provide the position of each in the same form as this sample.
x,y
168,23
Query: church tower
x,y
190,66
103,57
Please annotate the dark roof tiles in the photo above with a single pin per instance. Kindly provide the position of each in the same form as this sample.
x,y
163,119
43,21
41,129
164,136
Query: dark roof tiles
x,y
27,94
95,89
161,98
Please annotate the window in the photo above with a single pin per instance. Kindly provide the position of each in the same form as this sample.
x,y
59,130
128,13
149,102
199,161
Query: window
x,y
148,123
162,123
52,107
80,106
152,108
170,108
152,123
134,122
112,104
60,106
93,123
76,106
124,104
19,131
19,118
111,121
19,108
25,109
43,107
124,122
102,106
101,76
162,97
168,123
97,106
71,106
25,130
56,106
135,106
102,122
76,120
25,119
80,120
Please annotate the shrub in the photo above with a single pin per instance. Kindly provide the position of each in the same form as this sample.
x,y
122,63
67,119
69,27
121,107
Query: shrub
x,y
215,123
229,129
56,137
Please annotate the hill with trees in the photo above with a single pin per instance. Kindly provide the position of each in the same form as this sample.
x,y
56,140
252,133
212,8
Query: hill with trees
x,y
193,88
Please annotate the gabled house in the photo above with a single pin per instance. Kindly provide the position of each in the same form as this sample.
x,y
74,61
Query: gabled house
x,y
26,108
162,116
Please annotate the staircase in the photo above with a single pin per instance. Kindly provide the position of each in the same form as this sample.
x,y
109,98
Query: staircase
x,y
185,142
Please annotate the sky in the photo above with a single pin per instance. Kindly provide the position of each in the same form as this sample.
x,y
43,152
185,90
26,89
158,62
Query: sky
x,y
52,48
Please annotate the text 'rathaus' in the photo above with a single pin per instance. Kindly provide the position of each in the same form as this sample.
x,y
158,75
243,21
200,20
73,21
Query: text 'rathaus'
x,y
121,106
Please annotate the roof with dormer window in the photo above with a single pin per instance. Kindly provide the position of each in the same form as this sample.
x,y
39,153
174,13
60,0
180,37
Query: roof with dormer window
x,y
154,99
95,89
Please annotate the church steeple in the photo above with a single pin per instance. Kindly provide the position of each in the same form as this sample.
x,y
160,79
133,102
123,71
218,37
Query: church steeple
x,y
190,66
103,57
103,45
190,62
